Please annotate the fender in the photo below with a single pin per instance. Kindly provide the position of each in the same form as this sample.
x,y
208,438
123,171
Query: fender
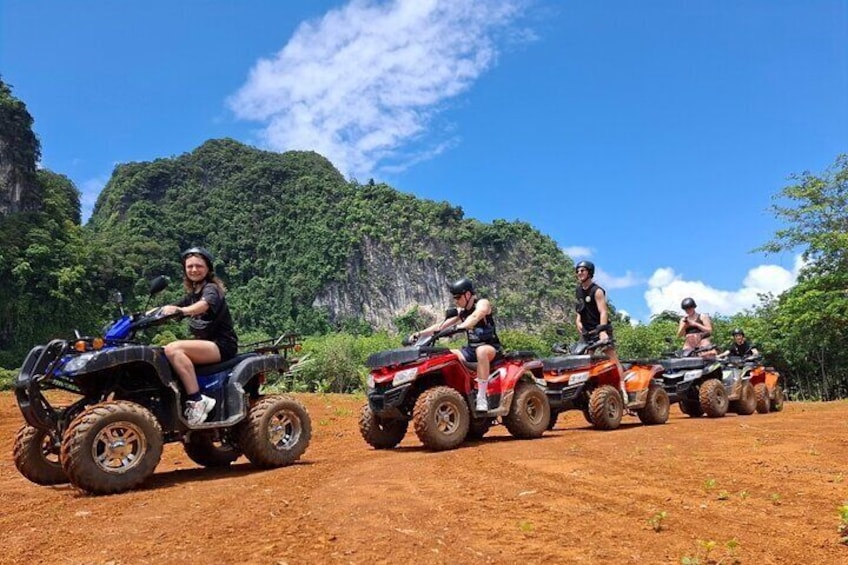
x,y
241,375
153,356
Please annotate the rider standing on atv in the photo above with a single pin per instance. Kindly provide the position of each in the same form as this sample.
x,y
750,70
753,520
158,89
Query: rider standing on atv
x,y
741,347
211,325
696,328
475,317
592,310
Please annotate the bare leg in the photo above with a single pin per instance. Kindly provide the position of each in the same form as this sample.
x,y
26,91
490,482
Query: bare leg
x,y
485,354
183,354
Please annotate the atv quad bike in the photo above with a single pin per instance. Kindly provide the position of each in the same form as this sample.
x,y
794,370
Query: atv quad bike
x,y
768,389
110,439
695,382
585,379
736,377
433,389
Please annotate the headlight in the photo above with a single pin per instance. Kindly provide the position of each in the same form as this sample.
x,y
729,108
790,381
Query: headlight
x,y
404,376
78,362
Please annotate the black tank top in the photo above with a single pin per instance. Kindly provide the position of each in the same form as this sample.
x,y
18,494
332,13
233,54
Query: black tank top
x,y
483,332
587,306
693,329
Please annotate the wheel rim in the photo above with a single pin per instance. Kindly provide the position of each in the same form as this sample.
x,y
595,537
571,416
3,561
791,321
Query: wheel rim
x,y
534,410
284,429
119,447
447,418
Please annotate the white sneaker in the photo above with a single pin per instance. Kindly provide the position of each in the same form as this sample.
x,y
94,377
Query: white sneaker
x,y
482,404
197,411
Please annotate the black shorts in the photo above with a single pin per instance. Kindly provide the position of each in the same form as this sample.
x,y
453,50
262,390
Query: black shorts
x,y
469,352
227,349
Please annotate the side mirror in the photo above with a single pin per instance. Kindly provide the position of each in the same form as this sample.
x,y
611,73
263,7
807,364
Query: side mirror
x,y
561,331
117,297
668,340
451,313
158,284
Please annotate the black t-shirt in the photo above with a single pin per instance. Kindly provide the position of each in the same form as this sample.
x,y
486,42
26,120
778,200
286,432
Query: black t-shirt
x,y
743,350
587,306
216,324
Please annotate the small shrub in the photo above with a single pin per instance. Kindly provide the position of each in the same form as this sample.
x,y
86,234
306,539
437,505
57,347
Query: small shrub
x,y
657,521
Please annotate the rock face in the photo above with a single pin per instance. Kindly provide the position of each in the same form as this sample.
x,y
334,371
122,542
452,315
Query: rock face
x,y
19,153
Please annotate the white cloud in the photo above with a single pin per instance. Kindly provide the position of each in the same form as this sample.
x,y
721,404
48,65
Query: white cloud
x,y
368,78
666,289
576,251
610,282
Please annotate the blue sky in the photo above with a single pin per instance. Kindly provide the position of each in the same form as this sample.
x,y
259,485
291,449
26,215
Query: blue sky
x,y
648,136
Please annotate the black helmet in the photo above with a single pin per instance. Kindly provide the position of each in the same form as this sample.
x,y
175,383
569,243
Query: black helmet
x,y
461,287
202,252
688,303
588,265
737,331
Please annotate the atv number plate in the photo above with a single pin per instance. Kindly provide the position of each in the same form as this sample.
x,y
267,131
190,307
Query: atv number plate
x,y
692,375
578,378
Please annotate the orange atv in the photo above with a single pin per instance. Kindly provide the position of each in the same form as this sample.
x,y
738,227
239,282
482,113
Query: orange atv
x,y
768,389
584,379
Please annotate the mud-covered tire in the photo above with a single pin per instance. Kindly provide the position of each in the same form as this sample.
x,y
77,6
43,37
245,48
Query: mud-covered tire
x,y
691,408
713,398
36,456
477,428
441,418
206,451
747,403
778,400
606,407
276,432
529,413
380,433
763,400
587,416
111,447
553,419
656,407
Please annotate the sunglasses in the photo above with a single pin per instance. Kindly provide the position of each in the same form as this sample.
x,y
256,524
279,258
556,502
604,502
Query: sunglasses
x,y
582,270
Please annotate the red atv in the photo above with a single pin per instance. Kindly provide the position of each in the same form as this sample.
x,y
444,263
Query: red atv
x,y
436,391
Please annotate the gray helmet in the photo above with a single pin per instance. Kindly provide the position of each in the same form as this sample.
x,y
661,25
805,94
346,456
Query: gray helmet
x,y
688,303
461,286
737,331
201,252
588,265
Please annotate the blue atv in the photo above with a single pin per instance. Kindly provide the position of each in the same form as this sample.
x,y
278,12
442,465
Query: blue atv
x,y
110,439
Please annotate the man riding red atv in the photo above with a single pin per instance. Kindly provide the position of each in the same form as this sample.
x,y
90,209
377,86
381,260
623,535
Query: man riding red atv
x,y
434,389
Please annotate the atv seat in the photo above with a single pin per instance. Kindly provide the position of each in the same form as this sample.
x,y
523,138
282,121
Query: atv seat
x,y
520,355
202,370
684,363
566,363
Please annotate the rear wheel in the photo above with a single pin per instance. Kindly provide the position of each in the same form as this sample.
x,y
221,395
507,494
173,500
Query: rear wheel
x,y
381,433
747,402
36,455
530,412
477,428
276,432
656,407
691,408
111,447
713,398
763,401
440,418
207,451
777,403
606,407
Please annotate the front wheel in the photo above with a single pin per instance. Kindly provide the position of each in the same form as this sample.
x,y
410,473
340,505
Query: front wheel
x,y
656,407
777,403
276,432
606,407
713,398
111,447
530,412
441,418
380,433
747,403
36,455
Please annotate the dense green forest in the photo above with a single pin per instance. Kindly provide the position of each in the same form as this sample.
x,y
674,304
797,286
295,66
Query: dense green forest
x,y
286,227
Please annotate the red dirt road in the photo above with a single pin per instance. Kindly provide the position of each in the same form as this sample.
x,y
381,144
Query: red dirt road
x,y
767,485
